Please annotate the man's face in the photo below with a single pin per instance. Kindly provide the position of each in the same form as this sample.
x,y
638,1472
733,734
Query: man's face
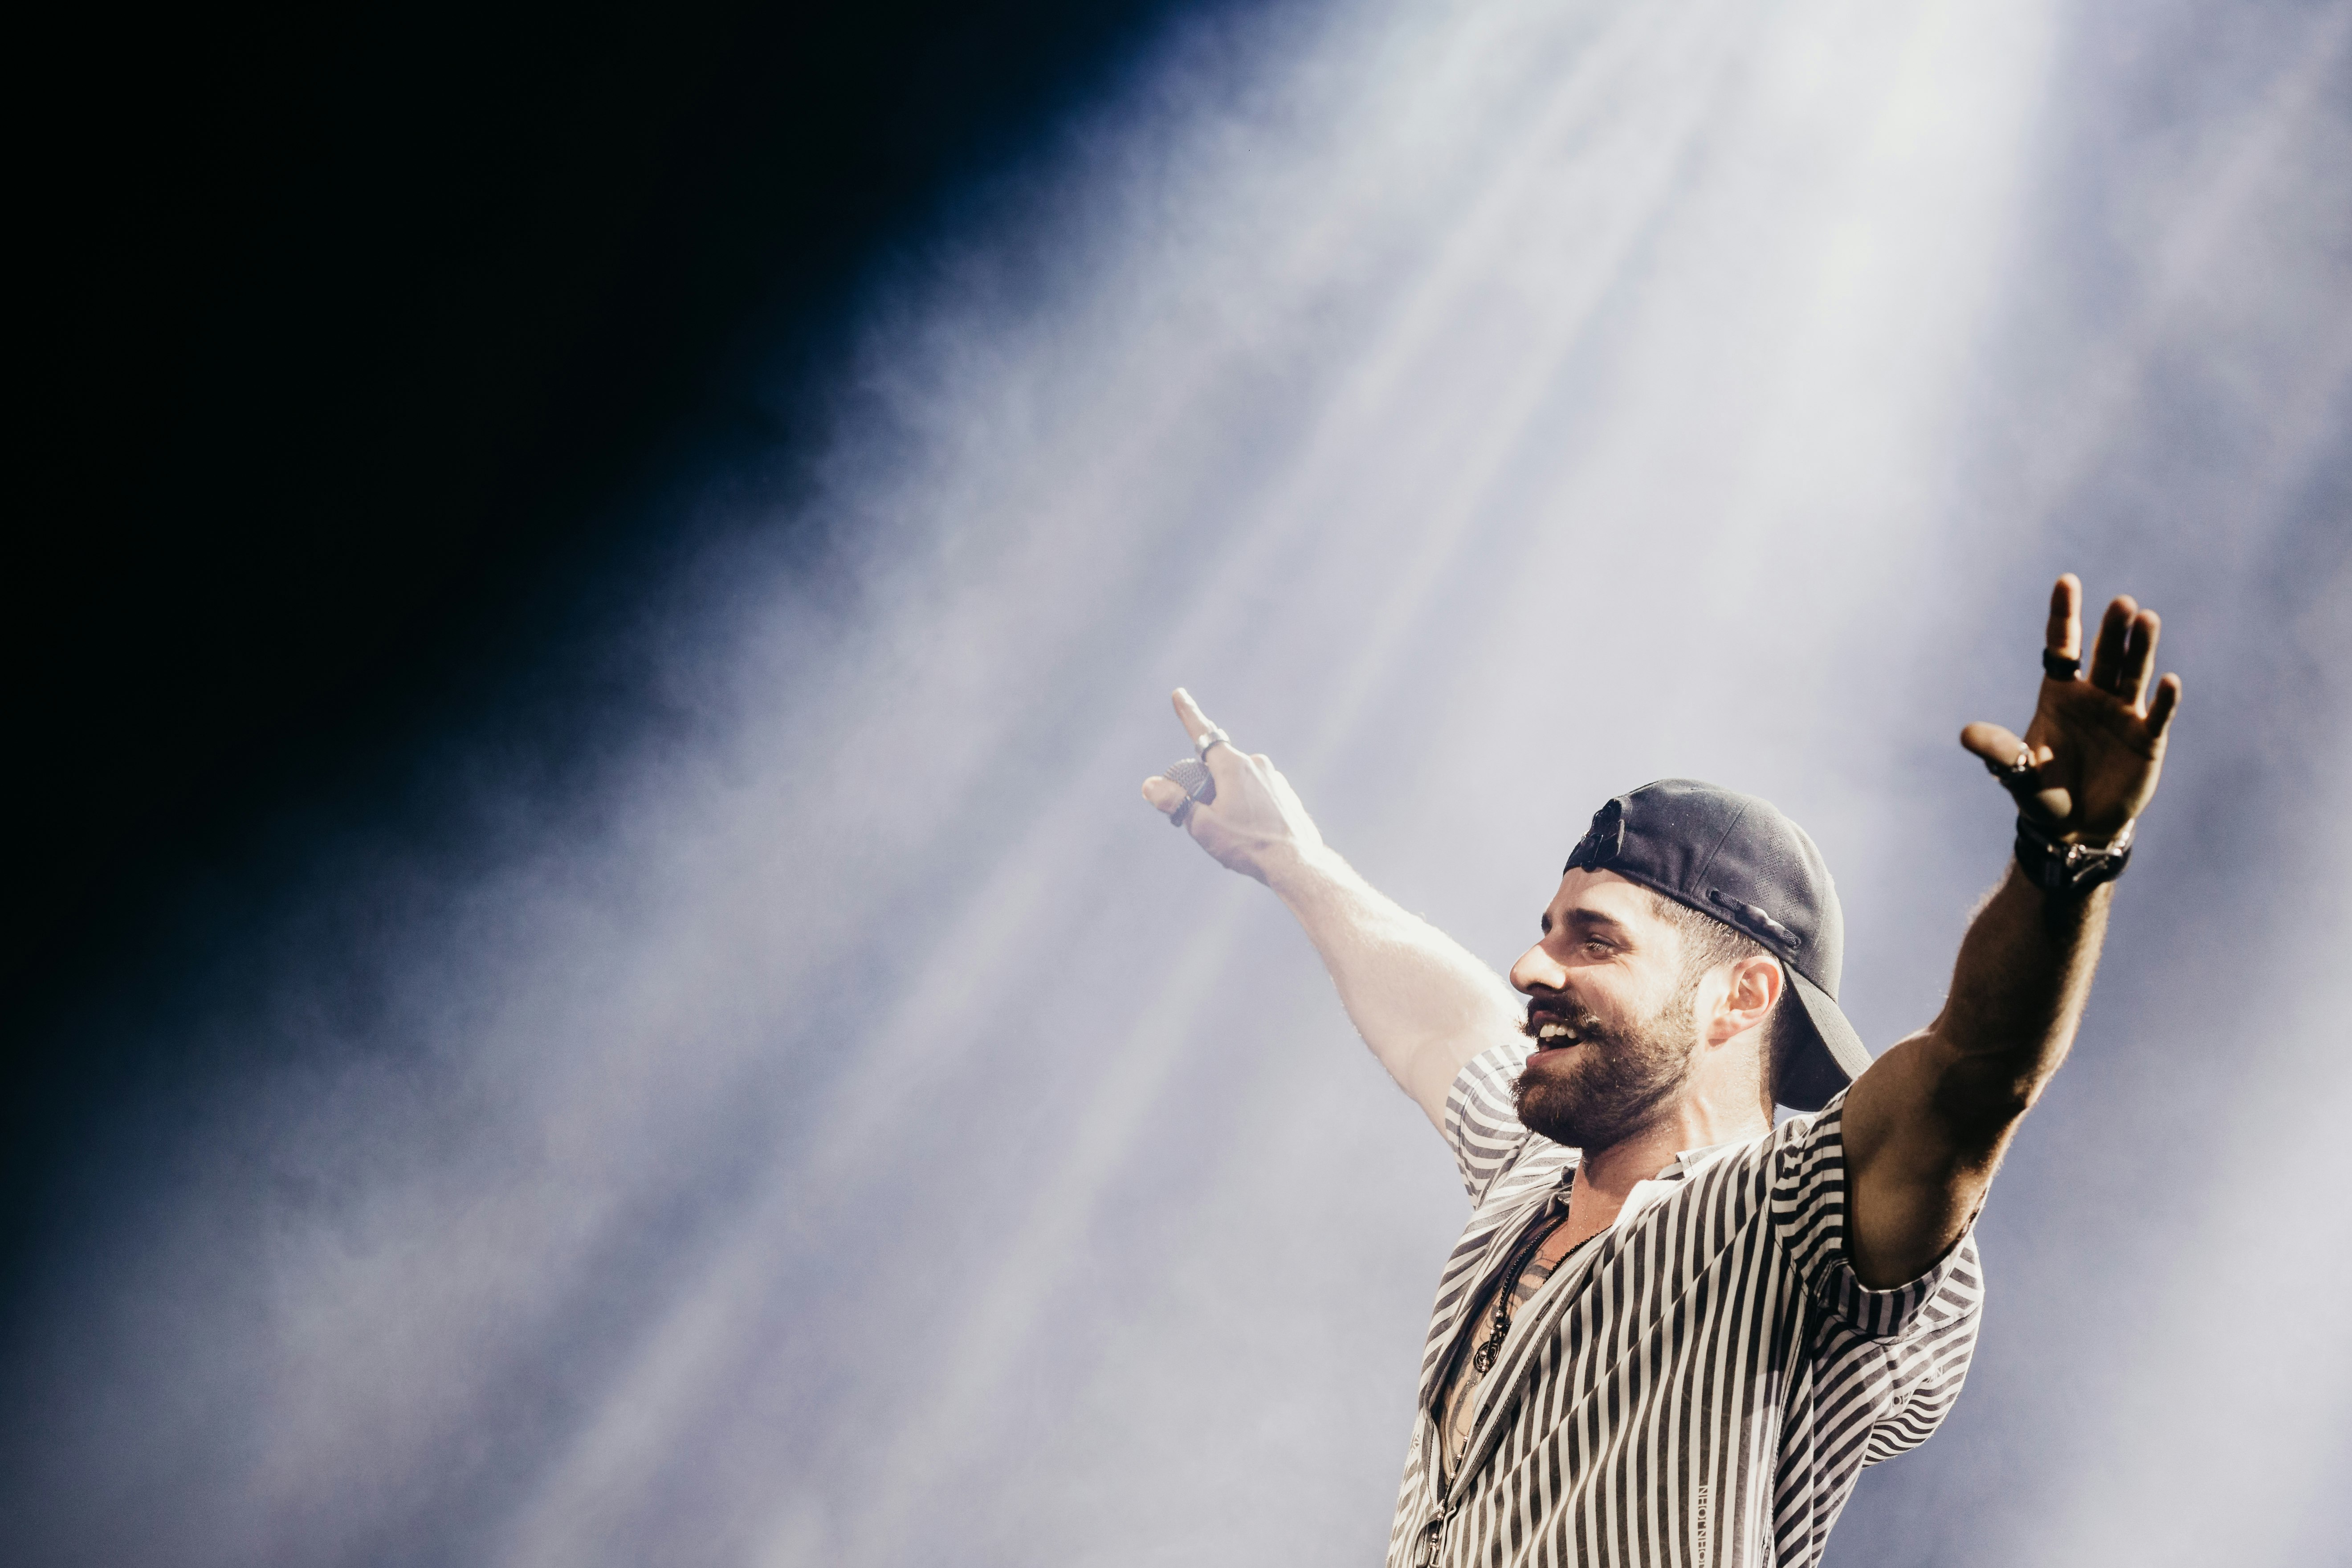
x,y
1608,1011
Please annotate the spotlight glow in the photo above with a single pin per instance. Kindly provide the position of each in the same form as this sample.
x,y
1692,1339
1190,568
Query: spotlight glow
x,y
859,1132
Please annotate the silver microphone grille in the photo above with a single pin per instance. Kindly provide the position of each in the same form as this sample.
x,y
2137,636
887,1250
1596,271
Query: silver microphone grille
x,y
1191,778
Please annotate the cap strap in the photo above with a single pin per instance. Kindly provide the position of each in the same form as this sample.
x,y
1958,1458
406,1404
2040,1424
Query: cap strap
x,y
1771,930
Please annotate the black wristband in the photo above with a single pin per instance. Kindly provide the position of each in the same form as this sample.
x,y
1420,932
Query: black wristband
x,y
2069,868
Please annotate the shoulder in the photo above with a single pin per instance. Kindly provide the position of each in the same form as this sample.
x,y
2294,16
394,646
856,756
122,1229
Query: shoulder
x,y
1807,1169
1482,1123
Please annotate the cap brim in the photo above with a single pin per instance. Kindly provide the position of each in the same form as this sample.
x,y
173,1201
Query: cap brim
x,y
1815,1070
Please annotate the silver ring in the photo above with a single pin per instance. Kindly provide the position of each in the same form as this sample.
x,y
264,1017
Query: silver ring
x,y
1210,742
2019,771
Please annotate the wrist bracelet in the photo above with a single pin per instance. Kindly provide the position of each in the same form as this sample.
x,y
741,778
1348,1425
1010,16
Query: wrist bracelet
x,y
2071,869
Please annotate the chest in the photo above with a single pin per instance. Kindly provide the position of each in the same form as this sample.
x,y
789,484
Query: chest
x,y
1532,1252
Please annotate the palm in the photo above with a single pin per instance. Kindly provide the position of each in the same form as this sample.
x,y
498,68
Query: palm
x,y
2096,743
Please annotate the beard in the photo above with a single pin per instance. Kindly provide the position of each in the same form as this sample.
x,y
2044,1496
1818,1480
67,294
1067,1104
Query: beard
x,y
1609,1084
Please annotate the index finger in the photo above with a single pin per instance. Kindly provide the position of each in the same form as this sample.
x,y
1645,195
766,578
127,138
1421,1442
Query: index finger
x,y
1188,713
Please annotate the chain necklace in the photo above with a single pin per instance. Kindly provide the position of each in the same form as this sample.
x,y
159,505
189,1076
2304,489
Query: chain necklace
x,y
1432,1541
1521,1255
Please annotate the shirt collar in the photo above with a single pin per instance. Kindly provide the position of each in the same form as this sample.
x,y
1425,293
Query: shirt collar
x,y
1691,1161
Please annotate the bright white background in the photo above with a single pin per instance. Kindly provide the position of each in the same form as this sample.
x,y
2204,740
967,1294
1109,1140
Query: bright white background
x,y
848,1128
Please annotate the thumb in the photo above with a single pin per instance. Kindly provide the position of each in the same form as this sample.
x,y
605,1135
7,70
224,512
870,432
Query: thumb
x,y
1998,747
1164,793
1999,751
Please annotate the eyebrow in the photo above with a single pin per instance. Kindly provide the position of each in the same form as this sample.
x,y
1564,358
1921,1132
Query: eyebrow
x,y
1590,920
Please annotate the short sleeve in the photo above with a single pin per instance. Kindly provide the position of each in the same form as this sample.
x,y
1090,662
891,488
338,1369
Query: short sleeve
x,y
1809,1218
1481,1125
1930,1363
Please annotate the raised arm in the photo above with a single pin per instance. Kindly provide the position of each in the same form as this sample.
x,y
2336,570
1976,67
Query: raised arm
x,y
1419,999
1925,1126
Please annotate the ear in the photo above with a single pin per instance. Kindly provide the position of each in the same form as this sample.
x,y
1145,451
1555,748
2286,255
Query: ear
x,y
1752,986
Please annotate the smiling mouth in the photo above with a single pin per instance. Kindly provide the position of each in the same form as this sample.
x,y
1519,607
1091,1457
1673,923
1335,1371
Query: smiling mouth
x,y
1553,1035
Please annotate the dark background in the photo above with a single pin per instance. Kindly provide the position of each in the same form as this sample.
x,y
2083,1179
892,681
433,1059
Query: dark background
x,y
351,340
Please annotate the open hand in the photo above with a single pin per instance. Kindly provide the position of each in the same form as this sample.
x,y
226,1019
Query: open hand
x,y
2096,743
1257,822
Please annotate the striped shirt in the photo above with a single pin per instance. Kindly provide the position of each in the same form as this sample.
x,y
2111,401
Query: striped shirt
x,y
1699,1386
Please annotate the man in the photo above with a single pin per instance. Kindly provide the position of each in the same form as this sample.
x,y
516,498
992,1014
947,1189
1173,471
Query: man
x,y
1673,1333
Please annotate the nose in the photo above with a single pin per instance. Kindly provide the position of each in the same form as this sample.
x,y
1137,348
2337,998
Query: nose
x,y
1536,970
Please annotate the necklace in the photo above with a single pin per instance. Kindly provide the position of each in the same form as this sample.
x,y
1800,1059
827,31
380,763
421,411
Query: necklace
x,y
1521,1255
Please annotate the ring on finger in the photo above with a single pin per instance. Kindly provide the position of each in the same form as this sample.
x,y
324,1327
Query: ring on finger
x,y
2017,772
1210,740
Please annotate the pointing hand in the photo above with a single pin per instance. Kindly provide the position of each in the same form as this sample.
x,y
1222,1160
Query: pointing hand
x,y
1256,822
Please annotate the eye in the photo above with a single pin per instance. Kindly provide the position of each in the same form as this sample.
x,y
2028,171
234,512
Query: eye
x,y
1597,945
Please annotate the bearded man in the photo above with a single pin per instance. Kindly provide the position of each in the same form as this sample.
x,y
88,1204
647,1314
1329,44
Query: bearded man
x,y
1673,1333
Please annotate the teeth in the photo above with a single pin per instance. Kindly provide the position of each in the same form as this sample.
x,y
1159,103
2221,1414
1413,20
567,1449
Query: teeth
x,y
1555,1032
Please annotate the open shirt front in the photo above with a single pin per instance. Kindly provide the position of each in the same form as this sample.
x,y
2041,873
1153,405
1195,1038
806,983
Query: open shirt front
x,y
1701,1384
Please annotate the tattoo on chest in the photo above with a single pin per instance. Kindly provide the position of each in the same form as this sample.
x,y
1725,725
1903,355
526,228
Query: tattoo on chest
x,y
1531,1280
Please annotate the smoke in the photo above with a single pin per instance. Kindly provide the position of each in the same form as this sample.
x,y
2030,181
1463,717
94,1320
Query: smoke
x,y
842,1124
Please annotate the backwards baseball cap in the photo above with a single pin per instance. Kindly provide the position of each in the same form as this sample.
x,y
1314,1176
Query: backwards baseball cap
x,y
1735,857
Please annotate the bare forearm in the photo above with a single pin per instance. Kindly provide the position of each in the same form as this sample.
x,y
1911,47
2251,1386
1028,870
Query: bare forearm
x,y
1926,1125
1422,1002
2017,993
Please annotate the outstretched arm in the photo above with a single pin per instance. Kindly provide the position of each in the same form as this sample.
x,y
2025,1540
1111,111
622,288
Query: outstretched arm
x,y
1422,1004
1925,1126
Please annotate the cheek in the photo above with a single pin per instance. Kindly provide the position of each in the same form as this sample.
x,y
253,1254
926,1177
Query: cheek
x,y
1611,995
1650,993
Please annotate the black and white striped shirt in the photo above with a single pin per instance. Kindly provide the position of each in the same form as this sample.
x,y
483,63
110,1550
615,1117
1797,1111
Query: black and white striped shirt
x,y
1700,1385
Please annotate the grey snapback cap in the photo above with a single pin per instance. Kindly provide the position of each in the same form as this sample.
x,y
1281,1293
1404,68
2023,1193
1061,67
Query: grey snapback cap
x,y
1737,858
